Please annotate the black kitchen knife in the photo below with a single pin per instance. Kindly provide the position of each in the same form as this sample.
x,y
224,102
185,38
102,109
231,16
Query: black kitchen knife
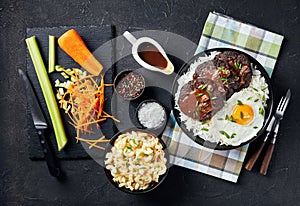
x,y
41,125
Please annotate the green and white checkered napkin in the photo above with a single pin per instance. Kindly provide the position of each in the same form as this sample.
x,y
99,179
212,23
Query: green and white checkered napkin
x,y
222,31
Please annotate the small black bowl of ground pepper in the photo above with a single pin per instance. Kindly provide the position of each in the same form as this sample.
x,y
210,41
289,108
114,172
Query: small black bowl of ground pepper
x,y
129,84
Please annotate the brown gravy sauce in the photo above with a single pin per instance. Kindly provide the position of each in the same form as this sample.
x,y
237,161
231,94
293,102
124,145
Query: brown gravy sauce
x,y
151,55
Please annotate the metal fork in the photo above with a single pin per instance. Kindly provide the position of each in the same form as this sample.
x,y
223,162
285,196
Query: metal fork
x,y
282,106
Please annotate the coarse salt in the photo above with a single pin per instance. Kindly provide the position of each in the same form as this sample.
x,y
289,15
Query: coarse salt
x,y
151,115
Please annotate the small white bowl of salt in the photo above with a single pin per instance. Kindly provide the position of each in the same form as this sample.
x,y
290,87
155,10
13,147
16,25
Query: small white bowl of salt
x,y
152,116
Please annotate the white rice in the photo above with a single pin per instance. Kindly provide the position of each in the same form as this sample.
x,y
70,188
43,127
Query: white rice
x,y
199,128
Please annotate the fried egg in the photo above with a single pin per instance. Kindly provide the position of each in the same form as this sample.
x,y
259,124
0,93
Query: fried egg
x,y
240,119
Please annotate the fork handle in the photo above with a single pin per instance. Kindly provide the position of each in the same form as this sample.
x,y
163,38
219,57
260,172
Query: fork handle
x,y
254,157
267,159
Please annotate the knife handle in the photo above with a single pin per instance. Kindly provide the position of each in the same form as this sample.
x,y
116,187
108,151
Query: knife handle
x,y
50,158
267,159
254,157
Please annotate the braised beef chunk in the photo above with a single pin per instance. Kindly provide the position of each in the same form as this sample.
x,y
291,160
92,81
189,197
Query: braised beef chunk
x,y
235,71
206,70
200,98
213,82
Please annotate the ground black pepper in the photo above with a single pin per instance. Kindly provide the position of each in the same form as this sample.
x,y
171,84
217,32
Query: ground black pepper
x,y
131,85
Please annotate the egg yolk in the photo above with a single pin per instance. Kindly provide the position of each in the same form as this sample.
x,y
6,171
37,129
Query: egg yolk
x,y
242,114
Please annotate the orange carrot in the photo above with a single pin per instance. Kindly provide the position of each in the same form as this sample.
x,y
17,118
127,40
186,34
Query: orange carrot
x,y
75,47
83,100
100,97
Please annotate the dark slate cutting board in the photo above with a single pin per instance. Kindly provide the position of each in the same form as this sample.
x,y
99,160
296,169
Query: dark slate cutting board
x,y
94,37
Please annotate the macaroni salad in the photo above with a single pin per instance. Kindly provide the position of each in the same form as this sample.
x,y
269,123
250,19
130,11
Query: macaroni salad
x,y
136,160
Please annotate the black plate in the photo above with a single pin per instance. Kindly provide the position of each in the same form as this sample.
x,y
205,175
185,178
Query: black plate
x,y
198,139
153,185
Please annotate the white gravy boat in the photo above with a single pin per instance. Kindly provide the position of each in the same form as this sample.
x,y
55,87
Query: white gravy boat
x,y
149,54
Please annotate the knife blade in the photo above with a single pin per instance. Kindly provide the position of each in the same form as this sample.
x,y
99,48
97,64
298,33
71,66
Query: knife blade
x,y
40,125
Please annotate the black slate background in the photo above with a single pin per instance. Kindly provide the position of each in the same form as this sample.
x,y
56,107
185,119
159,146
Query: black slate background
x,y
25,182
94,37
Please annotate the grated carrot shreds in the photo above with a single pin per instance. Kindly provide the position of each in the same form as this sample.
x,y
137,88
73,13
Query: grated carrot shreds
x,y
110,116
83,101
93,143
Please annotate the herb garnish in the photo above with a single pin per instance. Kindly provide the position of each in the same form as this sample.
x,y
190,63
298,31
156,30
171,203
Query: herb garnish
x,y
261,111
203,86
255,127
135,142
238,66
223,70
230,118
256,100
208,91
239,102
204,129
223,79
249,98
241,115
227,135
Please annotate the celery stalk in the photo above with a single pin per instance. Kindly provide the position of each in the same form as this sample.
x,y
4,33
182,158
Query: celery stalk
x,y
43,78
51,64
